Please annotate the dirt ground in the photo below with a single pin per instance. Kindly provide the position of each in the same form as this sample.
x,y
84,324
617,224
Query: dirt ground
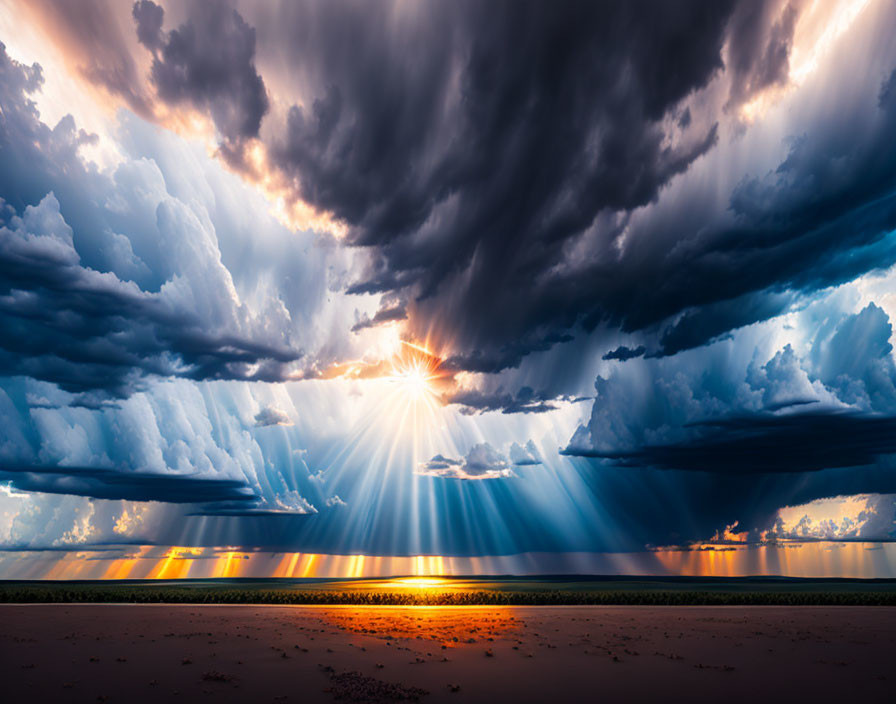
x,y
185,653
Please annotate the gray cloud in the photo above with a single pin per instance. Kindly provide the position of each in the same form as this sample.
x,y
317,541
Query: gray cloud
x,y
526,400
149,18
383,315
105,483
622,353
762,444
208,63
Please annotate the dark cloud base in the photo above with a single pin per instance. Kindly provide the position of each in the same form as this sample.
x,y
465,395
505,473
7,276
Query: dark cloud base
x,y
762,444
99,483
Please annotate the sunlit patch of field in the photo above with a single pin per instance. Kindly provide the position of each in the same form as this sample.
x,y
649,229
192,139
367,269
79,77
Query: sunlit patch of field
x,y
437,624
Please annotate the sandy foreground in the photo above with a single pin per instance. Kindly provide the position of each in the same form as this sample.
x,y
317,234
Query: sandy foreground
x,y
185,653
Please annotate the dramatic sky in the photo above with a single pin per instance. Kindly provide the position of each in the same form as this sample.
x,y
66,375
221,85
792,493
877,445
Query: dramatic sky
x,y
511,286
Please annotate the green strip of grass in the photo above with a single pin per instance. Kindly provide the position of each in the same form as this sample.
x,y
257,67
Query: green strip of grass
x,y
173,595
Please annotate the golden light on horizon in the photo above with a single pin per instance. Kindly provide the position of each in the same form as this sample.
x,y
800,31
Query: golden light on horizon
x,y
417,582
792,559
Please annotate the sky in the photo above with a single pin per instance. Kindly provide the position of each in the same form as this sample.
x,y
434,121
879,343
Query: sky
x,y
336,288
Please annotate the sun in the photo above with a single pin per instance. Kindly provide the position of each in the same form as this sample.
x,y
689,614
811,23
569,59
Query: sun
x,y
415,382
415,371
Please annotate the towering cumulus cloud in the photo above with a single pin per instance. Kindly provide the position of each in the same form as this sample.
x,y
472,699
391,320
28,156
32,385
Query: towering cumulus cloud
x,y
447,278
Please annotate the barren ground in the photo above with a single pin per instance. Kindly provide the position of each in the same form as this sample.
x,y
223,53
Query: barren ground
x,y
185,653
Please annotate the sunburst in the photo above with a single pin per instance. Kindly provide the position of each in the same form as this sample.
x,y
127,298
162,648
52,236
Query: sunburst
x,y
416,371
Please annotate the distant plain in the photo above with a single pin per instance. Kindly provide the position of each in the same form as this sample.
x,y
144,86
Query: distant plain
x,y
466,590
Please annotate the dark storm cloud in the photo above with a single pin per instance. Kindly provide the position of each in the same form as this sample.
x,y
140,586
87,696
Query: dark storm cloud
x,y
542,83
697,326
761,444
149,18
383,315
490,156
470,170
209,63
101,483
491,139
526,400
821,218
622,353
212,496
235,512
119,546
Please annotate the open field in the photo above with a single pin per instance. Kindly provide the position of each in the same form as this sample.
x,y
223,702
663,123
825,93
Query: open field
x,y
153,653
465,591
